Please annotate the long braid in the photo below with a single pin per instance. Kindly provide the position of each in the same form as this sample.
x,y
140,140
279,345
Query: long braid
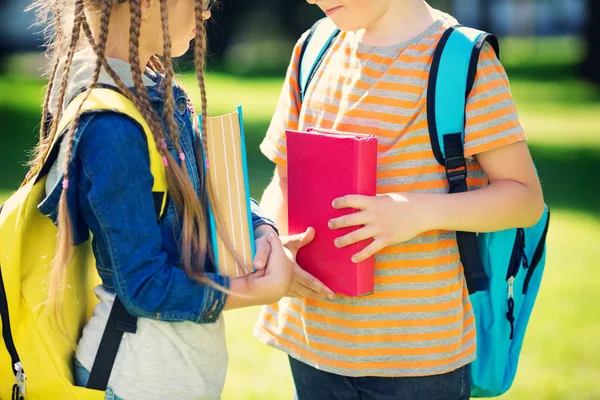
x,y
156,64
179,185
46,117
200,62
192,231
47,136
54,31
79,15
169,108
111,72
65,234
141,98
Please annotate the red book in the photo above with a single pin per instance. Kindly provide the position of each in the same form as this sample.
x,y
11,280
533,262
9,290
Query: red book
x,y
323,166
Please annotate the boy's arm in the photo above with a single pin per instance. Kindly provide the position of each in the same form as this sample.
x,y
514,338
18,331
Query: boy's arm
x,y
494,136
513,199
275,201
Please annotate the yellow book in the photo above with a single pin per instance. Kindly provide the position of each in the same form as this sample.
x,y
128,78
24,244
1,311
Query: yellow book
x,y
228,169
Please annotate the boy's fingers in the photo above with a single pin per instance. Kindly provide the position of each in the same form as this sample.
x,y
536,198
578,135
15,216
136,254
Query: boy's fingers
x,y
349,220
296,242
353,237
301,291
352,201
369,251
312,283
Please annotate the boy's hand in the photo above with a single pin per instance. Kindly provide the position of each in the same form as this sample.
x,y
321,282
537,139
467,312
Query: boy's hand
x,y
304,285
387,219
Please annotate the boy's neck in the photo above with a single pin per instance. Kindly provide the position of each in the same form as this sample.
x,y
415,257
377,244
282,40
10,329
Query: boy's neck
x,y
402,21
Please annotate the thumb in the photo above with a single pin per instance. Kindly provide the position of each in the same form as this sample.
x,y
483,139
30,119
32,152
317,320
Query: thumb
x,y
300,240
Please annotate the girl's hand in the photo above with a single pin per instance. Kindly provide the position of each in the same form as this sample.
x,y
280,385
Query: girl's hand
x,y
262,245
276,278
280,277
387,219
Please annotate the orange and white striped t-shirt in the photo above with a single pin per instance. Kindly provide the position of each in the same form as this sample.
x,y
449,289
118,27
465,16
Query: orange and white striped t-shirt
x,y
419,321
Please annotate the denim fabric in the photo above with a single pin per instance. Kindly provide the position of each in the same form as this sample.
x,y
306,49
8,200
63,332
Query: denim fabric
x,y
82,376
312,384
110,195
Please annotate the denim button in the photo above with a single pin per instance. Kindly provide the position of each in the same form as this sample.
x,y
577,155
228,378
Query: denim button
x,y
181,106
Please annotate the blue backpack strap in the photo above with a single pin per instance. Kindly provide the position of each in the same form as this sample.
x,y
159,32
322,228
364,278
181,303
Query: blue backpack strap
x,y
320,38
451,80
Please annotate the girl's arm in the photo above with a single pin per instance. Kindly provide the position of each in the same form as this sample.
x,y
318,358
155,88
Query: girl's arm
x,y
115,199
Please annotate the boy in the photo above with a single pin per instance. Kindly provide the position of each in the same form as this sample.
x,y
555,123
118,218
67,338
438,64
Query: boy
x,y
415,336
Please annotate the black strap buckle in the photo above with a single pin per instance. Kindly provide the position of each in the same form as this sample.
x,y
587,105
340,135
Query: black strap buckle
x,y
456,171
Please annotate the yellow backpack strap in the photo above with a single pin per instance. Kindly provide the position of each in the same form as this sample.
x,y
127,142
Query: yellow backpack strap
x,y
108,99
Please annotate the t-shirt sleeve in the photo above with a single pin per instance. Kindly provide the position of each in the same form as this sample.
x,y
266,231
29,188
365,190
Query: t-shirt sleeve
x,y
287,113
492,120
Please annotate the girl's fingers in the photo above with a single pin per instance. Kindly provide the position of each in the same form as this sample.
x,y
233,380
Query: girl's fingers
x,y
263,249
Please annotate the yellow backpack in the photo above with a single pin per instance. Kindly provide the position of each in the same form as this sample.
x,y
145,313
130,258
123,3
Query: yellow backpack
x,y
37,362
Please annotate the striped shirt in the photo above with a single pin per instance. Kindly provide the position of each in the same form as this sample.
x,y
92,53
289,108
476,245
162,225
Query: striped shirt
x,y
419,321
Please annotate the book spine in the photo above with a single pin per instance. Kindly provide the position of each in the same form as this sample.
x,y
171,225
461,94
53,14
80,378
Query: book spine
x,y
366,181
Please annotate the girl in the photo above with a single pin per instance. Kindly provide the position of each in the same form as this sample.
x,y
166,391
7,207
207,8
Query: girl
x,y
415,336
162,271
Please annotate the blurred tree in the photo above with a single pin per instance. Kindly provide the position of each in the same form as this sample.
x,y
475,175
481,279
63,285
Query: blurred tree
x,y
233,19
591,64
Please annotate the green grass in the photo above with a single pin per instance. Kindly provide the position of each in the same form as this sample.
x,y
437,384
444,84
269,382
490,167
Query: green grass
x,y
561,354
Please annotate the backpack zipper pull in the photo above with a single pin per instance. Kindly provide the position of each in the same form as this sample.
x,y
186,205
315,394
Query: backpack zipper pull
x,y
19,386
510,315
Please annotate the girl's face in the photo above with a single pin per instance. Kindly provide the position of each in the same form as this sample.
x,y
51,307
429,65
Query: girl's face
x,y
182,24
353,15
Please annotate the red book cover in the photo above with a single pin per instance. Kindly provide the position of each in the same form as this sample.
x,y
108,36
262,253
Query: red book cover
x,y
323,166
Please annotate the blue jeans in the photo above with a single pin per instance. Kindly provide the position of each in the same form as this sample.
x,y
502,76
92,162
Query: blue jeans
x,y
82,375
312,384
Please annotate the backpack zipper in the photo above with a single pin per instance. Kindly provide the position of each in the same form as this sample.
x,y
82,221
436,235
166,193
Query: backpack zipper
x,y
537,256
517,258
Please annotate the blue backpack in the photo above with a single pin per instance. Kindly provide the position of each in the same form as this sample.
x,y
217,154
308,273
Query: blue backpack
x,y
503,269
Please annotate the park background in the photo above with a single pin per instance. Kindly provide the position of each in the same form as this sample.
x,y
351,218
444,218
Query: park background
x,y
551,49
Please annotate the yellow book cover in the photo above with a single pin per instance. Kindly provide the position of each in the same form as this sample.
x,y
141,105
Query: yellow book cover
x,y
228,169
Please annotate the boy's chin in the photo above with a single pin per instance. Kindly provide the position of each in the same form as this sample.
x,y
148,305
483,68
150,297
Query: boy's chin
x,y
346,25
